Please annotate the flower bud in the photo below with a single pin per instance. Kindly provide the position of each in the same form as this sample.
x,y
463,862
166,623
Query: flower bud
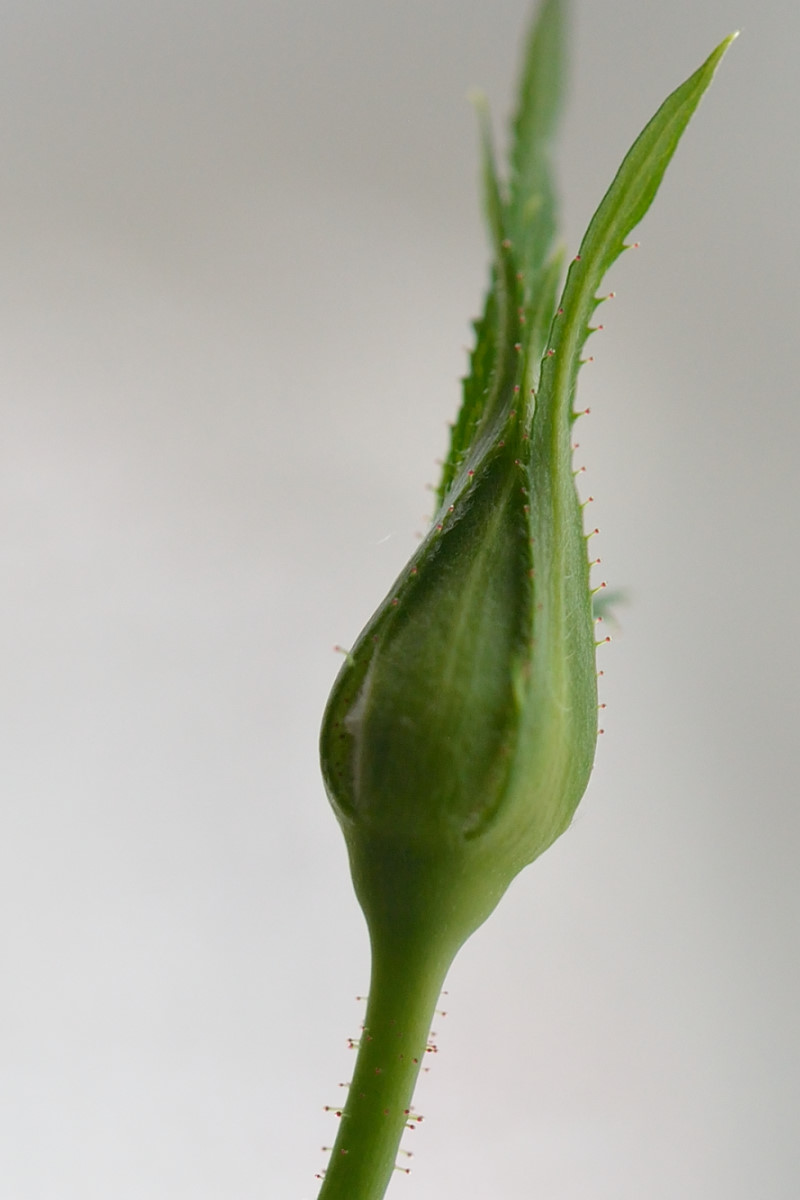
x,y
461,730
460,733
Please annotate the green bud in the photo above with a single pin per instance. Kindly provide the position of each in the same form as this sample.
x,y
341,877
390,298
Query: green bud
x,y
461,730
460,734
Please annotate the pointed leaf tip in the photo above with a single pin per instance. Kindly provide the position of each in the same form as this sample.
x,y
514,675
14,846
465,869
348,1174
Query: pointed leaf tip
x,y
716,55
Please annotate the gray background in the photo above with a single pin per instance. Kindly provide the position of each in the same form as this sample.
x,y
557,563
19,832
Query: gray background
x,y
240,249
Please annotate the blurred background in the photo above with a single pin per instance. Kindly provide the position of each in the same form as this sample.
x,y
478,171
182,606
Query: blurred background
x,y
241,248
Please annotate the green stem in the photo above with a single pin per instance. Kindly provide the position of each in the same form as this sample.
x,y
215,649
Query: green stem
x,y
402,1000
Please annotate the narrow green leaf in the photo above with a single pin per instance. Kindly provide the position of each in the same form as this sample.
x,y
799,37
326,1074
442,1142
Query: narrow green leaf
x,y
493,363
494,204
562,665
525,274
621,209
532,201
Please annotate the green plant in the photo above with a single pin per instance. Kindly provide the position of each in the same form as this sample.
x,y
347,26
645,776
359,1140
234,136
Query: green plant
x,y
460,733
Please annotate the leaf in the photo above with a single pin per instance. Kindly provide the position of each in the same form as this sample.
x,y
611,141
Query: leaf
x,y
522,227
532,203
621,209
